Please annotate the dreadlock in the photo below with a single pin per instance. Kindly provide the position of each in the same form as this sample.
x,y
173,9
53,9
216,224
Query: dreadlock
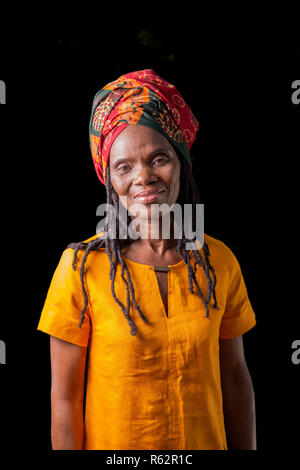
x,y
113,247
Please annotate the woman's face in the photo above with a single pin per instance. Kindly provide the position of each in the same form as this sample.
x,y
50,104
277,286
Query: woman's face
x,y
141,159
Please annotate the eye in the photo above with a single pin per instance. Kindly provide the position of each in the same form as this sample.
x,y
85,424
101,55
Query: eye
x,y
122,168
162,160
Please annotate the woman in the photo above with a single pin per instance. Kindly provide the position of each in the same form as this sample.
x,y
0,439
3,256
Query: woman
x,y
179,380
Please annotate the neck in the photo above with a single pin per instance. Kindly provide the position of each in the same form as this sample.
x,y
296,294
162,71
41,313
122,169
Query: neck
x,y
155,236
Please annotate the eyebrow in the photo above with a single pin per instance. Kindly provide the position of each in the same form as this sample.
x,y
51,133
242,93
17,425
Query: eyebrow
x,y
152,154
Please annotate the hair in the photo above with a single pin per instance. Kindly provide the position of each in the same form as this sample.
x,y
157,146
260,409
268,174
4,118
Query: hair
x,y
188,195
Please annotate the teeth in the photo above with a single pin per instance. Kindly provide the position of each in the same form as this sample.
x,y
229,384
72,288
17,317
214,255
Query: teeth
x,y
150,194
147,195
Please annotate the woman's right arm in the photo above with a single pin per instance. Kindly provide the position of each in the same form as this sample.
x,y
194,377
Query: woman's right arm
x,y
68,363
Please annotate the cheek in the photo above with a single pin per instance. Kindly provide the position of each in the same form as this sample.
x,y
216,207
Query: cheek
x,y
118,184
175,184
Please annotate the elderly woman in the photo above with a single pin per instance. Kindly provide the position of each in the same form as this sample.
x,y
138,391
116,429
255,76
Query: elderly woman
x,y
146,333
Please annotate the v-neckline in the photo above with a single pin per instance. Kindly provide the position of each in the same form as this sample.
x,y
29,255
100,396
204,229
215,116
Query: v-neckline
x,y
152,266
170,267
165,310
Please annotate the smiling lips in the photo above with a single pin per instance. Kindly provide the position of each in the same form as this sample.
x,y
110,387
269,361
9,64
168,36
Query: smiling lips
x,y
148,196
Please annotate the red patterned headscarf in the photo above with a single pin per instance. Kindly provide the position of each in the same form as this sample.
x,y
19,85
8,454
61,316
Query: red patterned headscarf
x,y
145,99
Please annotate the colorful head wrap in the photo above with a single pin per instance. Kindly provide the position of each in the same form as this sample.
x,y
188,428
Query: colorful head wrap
x,y
145,99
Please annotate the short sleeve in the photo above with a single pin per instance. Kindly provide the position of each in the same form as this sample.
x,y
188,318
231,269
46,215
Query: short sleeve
x,y
238,317
60,316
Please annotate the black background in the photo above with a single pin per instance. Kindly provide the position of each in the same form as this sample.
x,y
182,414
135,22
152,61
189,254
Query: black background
x,y
245,162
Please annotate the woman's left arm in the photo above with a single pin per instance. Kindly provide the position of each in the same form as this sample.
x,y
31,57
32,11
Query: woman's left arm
x,y
238,396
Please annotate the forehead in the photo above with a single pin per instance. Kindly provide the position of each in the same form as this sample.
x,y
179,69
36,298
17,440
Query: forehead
x,y
136,140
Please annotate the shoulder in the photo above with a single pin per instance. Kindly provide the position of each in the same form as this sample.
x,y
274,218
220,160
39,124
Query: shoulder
x,y
222,256
217,248
84,243
76,250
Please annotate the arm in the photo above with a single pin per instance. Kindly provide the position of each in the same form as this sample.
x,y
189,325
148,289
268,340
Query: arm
x,y
238,396
68,363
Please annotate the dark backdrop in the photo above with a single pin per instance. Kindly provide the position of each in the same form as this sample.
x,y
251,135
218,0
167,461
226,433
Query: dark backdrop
x,y
245,167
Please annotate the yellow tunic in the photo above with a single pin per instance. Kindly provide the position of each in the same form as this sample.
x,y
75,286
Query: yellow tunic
x,y
161,388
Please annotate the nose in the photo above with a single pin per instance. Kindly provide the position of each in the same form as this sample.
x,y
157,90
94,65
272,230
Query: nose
x,y
143,175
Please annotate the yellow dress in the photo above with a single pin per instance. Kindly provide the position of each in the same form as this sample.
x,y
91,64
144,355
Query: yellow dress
x,y
159,389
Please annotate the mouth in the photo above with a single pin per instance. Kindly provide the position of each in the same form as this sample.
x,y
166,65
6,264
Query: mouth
x,y
147,198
